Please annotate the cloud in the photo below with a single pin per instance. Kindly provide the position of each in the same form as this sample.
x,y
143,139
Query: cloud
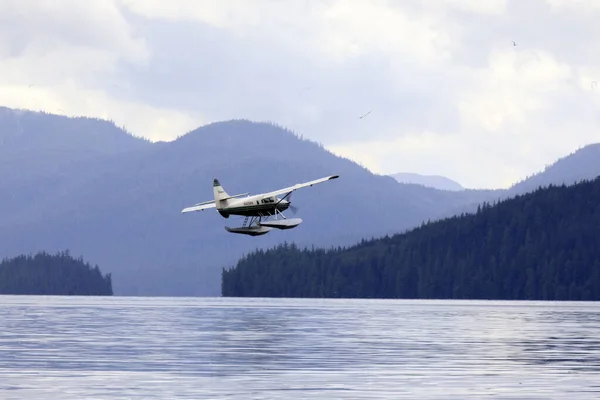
x,y
354,28
478,7
583,5
447,90
43,26
515,86
63,56
379,154
453,150
68,99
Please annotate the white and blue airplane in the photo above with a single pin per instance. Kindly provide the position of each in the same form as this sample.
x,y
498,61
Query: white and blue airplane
x,y
257,208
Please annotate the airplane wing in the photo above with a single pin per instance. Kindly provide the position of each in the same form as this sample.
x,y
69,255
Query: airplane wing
x,y
300,185
200,207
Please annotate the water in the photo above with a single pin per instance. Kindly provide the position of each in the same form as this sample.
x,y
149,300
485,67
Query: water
x,y
219,348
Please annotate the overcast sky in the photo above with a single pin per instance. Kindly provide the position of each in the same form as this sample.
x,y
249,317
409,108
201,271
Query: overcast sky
x,y
448,91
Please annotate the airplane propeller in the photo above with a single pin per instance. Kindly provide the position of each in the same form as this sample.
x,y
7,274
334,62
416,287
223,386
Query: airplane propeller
x,y
293,208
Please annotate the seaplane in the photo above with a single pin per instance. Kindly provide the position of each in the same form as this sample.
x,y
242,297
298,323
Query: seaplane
x,y
263,212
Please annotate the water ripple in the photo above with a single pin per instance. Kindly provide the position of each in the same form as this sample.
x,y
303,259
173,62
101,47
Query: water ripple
x,y
160,348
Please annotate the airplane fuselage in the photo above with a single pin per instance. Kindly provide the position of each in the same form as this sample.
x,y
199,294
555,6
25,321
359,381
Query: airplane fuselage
x,y
252,206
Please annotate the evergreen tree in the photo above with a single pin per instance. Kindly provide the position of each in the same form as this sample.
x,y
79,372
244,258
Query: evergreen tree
x,y
46,274
542,245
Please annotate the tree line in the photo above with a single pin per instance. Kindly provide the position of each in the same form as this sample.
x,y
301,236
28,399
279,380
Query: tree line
x,y
52,274
543,245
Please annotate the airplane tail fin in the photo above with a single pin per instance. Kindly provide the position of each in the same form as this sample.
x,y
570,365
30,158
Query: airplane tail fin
x,y
219,192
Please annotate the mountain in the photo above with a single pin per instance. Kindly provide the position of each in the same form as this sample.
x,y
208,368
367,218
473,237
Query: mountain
x,y
88,186
537,246
583,164
38,140
433,181
39,150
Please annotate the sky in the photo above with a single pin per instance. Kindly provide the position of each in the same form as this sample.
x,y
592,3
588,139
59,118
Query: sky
x,y
446,90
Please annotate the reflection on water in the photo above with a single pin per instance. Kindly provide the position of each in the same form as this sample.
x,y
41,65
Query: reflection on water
x,y
159,348
567,340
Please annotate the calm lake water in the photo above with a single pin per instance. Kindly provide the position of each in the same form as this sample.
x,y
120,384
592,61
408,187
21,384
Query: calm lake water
x,y
220,348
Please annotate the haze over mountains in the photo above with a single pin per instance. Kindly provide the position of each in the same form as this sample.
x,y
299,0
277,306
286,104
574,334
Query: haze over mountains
x,y
90,187
433,181
583,164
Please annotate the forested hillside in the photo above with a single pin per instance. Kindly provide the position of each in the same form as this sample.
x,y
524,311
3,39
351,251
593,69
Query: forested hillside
x,y
47,274
542,245
91,187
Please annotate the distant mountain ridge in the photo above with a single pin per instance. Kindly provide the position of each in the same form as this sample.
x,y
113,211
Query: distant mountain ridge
x,y
433,181
27,130
118,201
582,164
